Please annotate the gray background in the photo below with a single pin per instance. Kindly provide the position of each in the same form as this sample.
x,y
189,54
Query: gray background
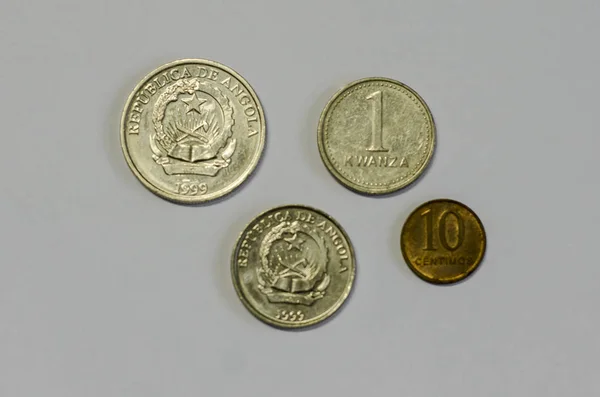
x,y
107,290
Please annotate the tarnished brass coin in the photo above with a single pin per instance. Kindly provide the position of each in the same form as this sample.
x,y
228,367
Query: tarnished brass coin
x,y
293,266
192,131
376,136
443,241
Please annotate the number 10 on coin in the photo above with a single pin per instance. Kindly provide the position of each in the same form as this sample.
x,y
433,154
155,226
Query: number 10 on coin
x,y
443,241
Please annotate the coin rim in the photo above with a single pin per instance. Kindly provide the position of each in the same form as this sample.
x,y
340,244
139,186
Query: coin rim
x,y
204,198
455,279
280,324
375,191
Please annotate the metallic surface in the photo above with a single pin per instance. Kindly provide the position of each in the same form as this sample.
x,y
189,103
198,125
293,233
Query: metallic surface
x,y
192,131
293,266
376,136
443,241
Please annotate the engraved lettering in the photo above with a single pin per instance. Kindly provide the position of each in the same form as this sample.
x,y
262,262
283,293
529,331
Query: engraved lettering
x,y
188,188
246,244
151,88
337,242
237,91
135,117
374,161
136,107
213,75
143,98
186,73
443,261
249,111
279,217
331,232
174,73
226,82
243,257
202,72
160,83
250,236
290,315
244,100
134,128
257,228
302,216
266,223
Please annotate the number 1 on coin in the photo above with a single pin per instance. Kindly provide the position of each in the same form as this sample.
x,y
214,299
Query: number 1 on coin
x,y
377,123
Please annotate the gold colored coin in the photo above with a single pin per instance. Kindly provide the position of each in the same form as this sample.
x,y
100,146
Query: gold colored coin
x,y
443,241
293,266
192,131
376,136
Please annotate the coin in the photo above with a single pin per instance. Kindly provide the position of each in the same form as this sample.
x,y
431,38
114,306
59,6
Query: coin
x,y
192,131
376,136
293,266
443,241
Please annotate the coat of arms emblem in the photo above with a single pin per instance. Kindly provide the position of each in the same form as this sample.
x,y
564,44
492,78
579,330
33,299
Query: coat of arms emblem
x,y
193,123
293,267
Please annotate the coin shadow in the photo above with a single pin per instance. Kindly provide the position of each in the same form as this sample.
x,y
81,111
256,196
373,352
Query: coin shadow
x,y
313,116
222,269
470,276
394,242
112,134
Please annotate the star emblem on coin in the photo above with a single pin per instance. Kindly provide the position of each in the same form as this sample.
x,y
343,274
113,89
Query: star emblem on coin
x,y
294,243
193,103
